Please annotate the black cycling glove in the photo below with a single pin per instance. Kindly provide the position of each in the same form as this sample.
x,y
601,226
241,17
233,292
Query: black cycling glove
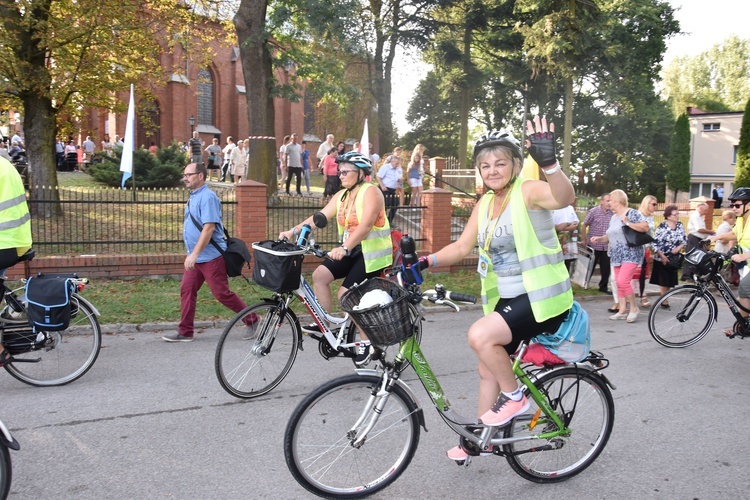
x,y
542,148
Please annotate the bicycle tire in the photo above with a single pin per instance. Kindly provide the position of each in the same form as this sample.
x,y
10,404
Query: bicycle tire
x,y
6,471
569,389
67,355
318,436
250,364
671,327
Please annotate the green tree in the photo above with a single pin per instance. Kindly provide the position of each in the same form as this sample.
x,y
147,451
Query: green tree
x,y
63,56
715,80
149,171
742,170
678,168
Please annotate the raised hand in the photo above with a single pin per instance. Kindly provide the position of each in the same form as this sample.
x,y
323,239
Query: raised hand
x,y
541,141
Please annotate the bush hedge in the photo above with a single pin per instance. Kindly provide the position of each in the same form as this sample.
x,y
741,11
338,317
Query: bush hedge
x,y
161,170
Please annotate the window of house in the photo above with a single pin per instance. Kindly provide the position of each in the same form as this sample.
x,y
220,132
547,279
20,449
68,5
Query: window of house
x,y
205,97
701,189
711,127
734,155
310,101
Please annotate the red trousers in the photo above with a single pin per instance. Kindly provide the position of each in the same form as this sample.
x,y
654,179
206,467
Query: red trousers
x,y
213,272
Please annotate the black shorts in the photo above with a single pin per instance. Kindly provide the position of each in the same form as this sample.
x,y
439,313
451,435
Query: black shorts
x,y
351,268
517,313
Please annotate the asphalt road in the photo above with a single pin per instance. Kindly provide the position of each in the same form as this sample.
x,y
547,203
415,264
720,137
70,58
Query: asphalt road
x,y
151,421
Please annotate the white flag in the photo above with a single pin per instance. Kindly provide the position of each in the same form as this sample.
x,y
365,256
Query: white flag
x,y
364,144
126,162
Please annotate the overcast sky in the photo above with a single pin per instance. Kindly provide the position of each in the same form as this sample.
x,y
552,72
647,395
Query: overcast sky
x,y
703,23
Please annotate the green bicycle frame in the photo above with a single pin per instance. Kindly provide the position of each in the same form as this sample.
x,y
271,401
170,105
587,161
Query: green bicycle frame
x,y
410,351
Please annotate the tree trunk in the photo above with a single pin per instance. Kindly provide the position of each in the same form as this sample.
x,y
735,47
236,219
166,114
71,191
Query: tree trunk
x,y
257,69
465,103
40,131
568,132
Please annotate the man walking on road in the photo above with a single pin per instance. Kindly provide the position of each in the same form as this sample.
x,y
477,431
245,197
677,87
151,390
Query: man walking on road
x,y
596,224
203,234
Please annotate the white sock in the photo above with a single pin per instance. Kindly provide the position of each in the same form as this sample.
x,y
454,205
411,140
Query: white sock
x,y
515,395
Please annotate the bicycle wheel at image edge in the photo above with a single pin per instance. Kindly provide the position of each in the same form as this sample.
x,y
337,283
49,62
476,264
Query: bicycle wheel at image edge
x,y
318,437
582,400
251,362
66,355
689,317
6,472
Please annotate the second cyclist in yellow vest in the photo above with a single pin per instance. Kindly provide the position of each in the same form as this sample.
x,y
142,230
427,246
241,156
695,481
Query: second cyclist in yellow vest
x,y
366,249
525,286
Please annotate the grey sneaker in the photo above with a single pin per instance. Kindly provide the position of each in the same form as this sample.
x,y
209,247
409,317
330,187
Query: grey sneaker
x,y
364,353
250,331
177,338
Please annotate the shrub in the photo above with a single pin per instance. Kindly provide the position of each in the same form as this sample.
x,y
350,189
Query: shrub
x,y
162,170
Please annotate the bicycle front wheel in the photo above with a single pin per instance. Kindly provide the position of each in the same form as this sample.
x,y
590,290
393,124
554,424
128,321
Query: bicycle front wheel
x,y
681,317
584,403
319,436
251,361
63,356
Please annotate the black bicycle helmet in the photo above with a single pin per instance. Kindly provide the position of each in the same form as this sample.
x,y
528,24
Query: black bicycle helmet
x,y
357,159
741,194
498,138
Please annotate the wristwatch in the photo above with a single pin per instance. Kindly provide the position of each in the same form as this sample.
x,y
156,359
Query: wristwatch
x,y
345,248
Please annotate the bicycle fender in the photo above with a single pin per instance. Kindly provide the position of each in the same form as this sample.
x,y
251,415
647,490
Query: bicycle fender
x,y
406,388
6,439
592,371
85,301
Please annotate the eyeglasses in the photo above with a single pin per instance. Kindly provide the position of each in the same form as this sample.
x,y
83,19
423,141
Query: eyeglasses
x,y
738,205
345,172
653,204
189,174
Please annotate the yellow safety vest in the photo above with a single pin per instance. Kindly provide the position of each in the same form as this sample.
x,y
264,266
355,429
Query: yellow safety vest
x,y
743,236
543,270
376,247
15,221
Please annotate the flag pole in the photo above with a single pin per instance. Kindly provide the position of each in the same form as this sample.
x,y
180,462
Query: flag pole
x,y
126,162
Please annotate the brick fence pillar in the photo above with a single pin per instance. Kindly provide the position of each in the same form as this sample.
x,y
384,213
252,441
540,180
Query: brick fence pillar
x,y
251,216
436,220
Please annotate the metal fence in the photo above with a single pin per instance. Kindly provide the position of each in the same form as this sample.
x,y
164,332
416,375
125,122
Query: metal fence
x,y
94,221
285,212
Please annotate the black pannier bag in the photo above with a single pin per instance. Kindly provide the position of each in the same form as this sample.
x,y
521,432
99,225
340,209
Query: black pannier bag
x,y
278,265
48,302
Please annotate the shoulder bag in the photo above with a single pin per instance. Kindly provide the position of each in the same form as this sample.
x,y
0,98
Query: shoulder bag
x,y
636,238
236,256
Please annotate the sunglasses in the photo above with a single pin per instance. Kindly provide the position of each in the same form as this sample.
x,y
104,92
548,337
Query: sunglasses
x,y
653,204
738,205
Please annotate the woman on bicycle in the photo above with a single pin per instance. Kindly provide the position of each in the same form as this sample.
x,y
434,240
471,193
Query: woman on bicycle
x,y
365,250
525,286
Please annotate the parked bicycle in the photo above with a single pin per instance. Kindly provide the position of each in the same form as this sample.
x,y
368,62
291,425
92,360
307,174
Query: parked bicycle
x,y
252,361
49,358
684,315
355,435
7,443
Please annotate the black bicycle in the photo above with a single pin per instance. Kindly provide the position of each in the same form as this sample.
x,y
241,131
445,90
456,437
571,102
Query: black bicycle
x,y
49,358
684,315
7,442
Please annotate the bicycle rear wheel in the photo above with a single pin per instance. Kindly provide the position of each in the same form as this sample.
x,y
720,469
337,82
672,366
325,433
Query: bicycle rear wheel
x,y
64,356
318,439
584,402
251,362
687,319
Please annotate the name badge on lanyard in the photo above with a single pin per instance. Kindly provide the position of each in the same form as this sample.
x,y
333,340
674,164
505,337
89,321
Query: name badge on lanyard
x,y
344,236
484,266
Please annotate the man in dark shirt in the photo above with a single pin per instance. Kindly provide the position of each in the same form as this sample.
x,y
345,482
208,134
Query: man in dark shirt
x,y
195,146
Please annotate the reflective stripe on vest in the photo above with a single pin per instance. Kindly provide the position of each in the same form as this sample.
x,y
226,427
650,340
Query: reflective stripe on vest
x,y
377,248
543,270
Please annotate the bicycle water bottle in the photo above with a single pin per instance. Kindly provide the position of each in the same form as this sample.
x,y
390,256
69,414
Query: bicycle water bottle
x,y
408,250
304,234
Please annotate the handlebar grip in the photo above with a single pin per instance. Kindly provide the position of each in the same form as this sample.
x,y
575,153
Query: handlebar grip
x,y
461,297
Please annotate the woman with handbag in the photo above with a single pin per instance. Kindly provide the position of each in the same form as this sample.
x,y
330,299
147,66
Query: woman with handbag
x,y
647,208
669,240
624,258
